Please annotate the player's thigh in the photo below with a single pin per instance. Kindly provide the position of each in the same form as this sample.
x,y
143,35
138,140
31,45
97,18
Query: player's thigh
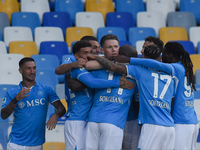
x,y
153,136
12,146
111,137
92,136
75,132
186,136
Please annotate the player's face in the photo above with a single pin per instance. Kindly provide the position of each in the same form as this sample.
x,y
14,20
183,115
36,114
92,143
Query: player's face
x,y
95,47
28,71
83,53
147,43
110,48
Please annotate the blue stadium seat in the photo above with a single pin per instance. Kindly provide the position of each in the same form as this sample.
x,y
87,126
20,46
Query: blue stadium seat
x,y
120,19
58,48
47,61
70,6
198,47
57,19
4,22
188,46
181,19
47,76
124,42
140,33
26,19
191,6
197,76
197,92
118,31
132,6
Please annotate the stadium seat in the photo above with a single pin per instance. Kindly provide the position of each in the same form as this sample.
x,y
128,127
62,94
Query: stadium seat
x,y
38,6
160,6
47,61
191,6
140,33
3,49
70,6
102,6
55,135
10,60
118,31
124,42
26,48
139,45
92,20
154,20
54,146
10,76
120,19
173,34
9,7
47,76
57,19
26,19
197,76
194,35
17,34
188,46
76,33
4,125
4,22
48,34
195,58
57,48
197,96
131,6
198,47
181,19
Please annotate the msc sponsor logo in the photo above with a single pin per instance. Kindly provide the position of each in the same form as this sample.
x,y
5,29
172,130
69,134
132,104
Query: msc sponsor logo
x,y
32,103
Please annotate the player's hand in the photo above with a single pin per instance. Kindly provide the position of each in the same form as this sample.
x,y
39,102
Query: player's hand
x,y
92,56
80,63
126,84
120,58
51,123
23,93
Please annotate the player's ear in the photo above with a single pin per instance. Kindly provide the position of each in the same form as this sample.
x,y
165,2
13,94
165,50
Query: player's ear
x,y
76,56
160,58
20,70
102,50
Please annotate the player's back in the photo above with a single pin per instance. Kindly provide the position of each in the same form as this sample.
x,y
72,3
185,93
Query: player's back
x,y
111,104
183,106
156,91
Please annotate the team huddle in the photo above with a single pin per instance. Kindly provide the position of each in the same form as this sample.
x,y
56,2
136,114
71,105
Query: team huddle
x,y
115,101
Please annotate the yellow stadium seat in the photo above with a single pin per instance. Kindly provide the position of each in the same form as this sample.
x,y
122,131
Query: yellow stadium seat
x,y
54,146
63,101
9,7
173,34
195,58
27,48
76,33
102,6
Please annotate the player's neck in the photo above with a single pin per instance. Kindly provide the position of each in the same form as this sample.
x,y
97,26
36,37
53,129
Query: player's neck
x,y
28,84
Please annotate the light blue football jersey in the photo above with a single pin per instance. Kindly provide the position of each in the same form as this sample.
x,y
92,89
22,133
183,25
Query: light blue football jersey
x,y
110,105
156,90
183,110
30,114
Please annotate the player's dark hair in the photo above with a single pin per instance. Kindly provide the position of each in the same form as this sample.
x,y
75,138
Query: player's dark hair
x,y
108,37
24,60
89,38
80,44
180,54
156,41
152,51
128,50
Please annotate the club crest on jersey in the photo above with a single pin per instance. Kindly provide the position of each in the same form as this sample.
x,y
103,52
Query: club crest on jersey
x,y
40,93
21,105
